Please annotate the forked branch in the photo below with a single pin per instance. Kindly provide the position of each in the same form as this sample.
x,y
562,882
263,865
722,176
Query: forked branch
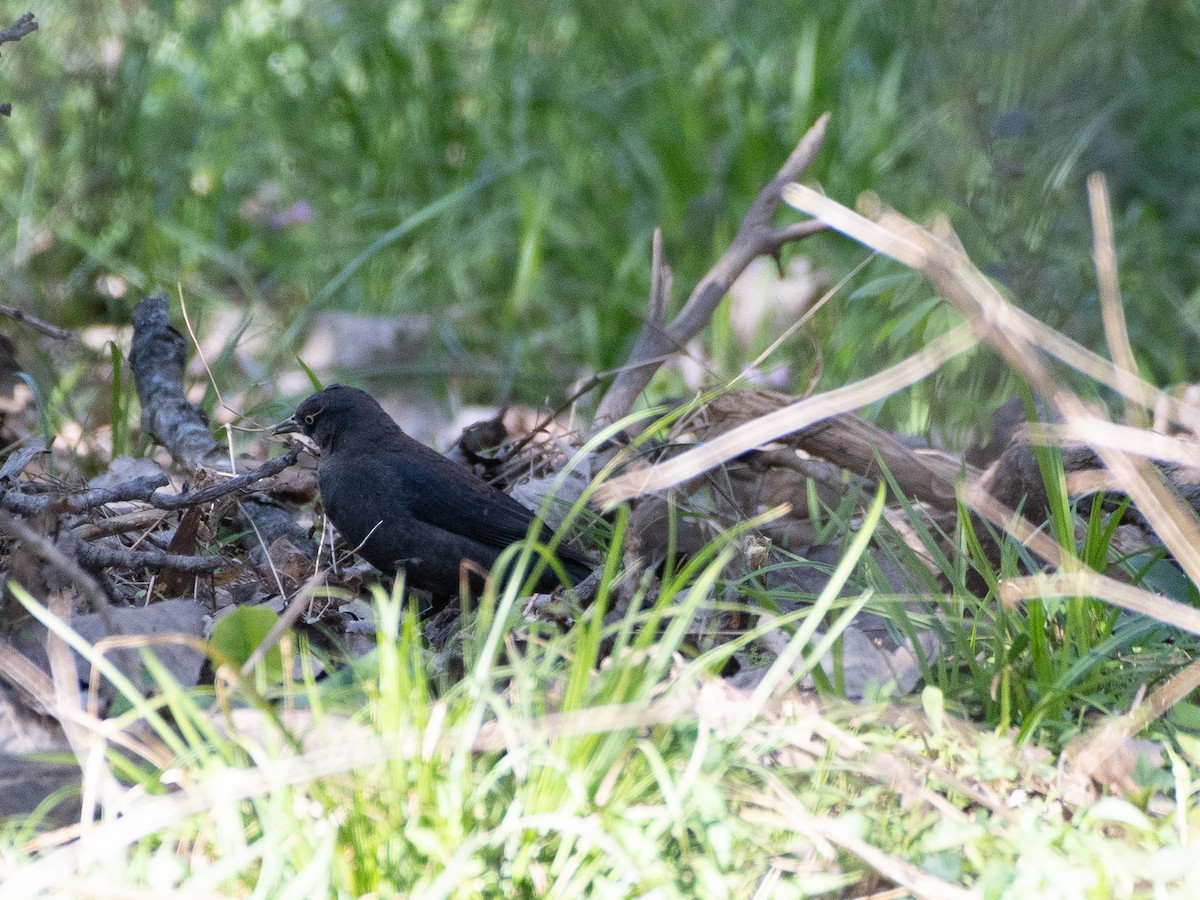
x,y
756,237
14,32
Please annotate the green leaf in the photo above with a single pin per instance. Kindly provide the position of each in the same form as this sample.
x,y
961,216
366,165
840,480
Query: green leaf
x,y
312,376
238,635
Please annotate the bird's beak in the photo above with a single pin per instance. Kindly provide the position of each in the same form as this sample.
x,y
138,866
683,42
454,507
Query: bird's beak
x,y
287,426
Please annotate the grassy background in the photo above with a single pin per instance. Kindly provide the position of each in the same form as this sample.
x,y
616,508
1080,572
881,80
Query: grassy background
x,y
252,150
501,166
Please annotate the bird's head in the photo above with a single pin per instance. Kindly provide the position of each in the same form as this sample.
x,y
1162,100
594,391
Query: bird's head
x,y
333,412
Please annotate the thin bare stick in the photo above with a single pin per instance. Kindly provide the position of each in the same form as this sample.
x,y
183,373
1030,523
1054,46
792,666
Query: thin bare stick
x,y
100,557
589,385
1174,522
142,519
14,32
222,488
18,29
19,315
142,490
756,237
139,489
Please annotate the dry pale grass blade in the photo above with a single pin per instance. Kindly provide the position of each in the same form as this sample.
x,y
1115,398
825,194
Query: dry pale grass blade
x,y
328,752
1091,481
1178,687
1013,333
153,815
1173,520
1131,387
1109,285
66,679
1021,529
903,765
1097,432
323,757
848,222
1092,750
785,421
1086,583
822,829
1107,753
948,270
494,736
17,670
720,706
99,783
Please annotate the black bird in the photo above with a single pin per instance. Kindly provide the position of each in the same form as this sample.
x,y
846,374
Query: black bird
x,y
400,503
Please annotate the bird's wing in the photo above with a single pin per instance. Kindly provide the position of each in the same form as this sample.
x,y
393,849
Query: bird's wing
x,y
448,496
489,516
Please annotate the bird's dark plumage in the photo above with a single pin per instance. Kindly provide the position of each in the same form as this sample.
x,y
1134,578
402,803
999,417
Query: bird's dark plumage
x,y
402,504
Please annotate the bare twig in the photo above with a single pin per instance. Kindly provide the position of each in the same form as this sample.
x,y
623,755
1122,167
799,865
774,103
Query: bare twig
x,y
18,29
23,26
756,237
847,440
140,520
221,489
157,360
100,557
19,315
137,489
142,490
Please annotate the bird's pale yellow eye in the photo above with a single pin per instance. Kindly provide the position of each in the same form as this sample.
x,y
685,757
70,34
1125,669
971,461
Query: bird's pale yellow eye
x,y
310,419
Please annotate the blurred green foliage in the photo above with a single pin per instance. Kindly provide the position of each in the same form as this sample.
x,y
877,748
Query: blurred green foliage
x,y
252,150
